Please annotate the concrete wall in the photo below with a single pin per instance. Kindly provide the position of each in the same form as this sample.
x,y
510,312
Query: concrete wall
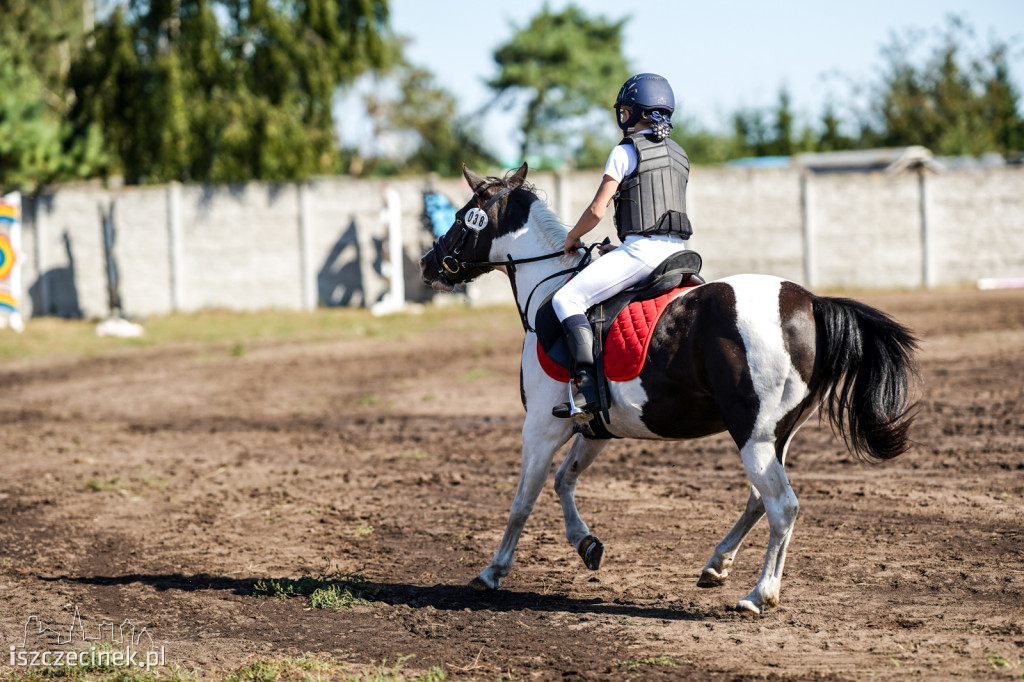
x,y
977,224
746,220
291,246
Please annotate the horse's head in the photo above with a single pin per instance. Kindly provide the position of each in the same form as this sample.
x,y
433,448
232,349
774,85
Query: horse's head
x,y
464,252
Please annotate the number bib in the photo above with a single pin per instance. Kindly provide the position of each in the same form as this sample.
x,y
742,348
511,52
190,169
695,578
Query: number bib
x,y
476,219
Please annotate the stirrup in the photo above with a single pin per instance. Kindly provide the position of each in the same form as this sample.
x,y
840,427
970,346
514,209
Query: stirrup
x,y
578,414
570,410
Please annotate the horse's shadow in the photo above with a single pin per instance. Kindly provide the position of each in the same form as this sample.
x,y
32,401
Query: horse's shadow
x,y
440,597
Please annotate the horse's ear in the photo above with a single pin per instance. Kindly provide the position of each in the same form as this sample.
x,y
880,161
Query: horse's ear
x,y
519,177
474,180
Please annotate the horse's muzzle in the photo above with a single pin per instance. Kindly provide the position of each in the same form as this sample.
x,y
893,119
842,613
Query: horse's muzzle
x,y
430,277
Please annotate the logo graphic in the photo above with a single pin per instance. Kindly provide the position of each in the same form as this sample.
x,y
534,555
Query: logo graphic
x,y
110,644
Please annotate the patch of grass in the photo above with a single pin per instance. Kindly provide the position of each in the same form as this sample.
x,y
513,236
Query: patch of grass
x,y
476,374
302,667
238,350
368,400
435,674
54,337
394,673
311,667
155,482
105,484
364,530
329,589
997,662
664,661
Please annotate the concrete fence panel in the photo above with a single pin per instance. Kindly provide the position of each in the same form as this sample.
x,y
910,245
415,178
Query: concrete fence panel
x,y
325,242
977,221
867,230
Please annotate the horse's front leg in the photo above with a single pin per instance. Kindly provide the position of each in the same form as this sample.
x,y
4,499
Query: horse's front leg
x,y
541,437
582,453
717,568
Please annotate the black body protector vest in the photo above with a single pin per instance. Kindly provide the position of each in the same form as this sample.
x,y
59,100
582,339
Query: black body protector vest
x,y
652,199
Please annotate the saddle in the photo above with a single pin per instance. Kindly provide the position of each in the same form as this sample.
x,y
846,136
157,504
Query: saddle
x,y
622,326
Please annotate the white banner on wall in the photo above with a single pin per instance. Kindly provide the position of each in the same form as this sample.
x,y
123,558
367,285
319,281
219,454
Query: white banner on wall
x,y
10,265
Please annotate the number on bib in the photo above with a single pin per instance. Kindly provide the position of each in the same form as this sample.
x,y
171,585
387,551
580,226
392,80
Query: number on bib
x,y
476,219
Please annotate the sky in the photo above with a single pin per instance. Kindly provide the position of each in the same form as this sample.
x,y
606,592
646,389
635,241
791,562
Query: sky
x,y
719,55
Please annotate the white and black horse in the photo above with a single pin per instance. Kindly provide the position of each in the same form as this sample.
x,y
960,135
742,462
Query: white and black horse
x,y
750,354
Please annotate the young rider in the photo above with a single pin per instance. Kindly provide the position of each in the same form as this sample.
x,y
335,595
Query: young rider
x,y
646,175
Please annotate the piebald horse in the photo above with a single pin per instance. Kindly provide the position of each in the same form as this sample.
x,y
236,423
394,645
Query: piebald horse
x,y
753,355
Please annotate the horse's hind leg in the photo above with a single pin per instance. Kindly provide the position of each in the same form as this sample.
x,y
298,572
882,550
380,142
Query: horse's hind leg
x,y
717,568
541,437
781,507
582,453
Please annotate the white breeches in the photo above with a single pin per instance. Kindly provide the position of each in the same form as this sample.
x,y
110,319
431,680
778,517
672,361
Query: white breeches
x,y
614,271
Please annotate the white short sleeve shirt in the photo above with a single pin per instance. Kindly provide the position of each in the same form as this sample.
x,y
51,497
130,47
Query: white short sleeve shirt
x,y
621,162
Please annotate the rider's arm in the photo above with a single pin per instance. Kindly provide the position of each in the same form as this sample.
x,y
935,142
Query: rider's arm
x,y
593,213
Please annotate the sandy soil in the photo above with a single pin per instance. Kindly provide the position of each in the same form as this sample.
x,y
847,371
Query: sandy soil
x,y
160,484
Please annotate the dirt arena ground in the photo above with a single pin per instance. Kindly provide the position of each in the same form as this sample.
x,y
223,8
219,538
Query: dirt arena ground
x,y
162,484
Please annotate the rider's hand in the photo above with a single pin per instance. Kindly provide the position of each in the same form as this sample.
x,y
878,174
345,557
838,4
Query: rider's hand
x,y
571,245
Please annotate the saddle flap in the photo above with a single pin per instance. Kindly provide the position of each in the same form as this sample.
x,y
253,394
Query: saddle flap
x,y
680,270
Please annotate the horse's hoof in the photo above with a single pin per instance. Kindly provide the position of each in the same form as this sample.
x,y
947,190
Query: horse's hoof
x,y
747,607
591,551
709,577
478,585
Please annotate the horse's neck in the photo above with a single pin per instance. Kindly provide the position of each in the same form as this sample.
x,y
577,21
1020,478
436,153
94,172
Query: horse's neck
x,y
541,235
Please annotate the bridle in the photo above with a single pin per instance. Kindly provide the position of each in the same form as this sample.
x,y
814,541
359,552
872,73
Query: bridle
x,y
449,261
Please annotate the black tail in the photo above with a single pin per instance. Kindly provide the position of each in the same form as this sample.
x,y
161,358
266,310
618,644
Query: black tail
x,y
865,376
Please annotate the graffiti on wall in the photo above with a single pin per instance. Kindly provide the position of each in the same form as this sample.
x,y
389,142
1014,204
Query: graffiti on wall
x,y
10,268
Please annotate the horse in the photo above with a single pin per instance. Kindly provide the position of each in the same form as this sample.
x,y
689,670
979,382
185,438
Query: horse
x,y
750,354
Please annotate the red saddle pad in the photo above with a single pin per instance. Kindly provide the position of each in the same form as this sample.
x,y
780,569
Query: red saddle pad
x,y
625,349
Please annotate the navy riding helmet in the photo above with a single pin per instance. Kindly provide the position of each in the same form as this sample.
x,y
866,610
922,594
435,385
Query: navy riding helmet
x,y
644,92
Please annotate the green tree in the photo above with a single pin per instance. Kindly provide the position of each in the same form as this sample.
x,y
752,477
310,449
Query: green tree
x,y
782,142
773,132
565,64
37,39
225,90
954,103
751,132
1000,105
427,115
703,146
831,138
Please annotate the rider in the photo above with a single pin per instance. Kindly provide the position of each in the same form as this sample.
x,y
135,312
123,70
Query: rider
x,y
646,175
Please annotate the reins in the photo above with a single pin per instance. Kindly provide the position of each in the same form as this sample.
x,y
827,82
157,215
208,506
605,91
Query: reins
x,y
511,263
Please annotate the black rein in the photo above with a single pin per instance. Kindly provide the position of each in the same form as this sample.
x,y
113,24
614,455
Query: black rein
x,y
511,264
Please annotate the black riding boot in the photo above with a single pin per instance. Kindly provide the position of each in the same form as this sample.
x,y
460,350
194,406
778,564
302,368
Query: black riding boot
x,y
581,348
